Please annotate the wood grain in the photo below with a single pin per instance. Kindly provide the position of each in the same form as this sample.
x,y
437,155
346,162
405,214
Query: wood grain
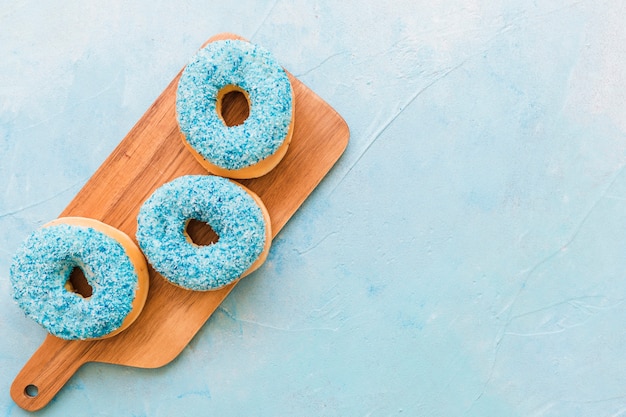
x,y
151,154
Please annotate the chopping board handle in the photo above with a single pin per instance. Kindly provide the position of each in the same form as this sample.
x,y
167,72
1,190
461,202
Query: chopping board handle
x,y
47,371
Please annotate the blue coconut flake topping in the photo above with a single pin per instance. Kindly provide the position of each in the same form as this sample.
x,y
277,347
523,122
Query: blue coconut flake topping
x,y
231,212
42,266
254,70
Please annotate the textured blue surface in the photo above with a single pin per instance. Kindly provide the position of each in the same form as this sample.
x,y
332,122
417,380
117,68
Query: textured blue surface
x,y
254,70
231,212
465,257
43,264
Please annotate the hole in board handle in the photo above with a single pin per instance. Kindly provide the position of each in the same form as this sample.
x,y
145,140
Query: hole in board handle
x,y
31,391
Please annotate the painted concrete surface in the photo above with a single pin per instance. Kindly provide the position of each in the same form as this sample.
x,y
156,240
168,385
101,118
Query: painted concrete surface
x,y
465,257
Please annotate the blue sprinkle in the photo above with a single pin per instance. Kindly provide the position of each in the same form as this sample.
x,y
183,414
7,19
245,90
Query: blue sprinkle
x,y
230,211
42,266
254,70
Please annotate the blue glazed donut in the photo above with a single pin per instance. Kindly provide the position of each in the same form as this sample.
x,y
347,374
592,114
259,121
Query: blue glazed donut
x,y
112,264
235,214
254,147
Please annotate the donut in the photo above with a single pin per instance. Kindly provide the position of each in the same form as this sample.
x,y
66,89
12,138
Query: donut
x,y
235,214
256,146
112,264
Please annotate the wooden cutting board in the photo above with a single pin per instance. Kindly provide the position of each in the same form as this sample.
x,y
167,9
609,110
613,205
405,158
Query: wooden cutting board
x,y
151,154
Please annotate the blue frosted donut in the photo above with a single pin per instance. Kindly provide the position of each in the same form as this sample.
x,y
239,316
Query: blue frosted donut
x,y
254,147
235,214
112,264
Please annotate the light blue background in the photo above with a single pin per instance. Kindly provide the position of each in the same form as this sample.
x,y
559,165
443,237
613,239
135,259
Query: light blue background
x,y
466,256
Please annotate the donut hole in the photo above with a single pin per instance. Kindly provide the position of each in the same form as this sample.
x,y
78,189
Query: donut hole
x,y
201,233
233,105
78,284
